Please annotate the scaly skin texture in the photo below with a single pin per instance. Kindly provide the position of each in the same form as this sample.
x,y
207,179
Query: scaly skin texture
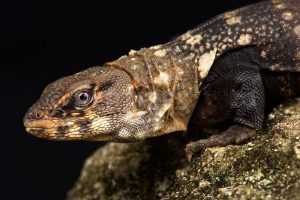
x,y
154,91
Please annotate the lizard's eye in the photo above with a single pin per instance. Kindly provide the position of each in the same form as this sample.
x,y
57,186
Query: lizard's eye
x,y
83,98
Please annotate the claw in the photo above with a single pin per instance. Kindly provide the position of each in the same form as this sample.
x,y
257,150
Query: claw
x,y
188,149
191,148
188,156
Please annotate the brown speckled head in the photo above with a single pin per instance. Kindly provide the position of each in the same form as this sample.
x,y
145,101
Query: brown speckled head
x,y
95,104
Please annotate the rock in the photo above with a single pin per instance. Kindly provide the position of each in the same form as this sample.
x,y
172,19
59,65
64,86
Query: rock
x,y
267,167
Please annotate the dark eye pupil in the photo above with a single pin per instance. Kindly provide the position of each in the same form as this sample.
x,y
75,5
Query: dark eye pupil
x,y
83,96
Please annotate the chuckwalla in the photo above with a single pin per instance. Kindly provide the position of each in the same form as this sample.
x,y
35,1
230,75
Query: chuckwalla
x,y
229,68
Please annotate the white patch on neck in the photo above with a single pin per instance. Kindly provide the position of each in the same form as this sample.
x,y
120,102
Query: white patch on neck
x,y
205,62
165,107
160,53
152,97
162,79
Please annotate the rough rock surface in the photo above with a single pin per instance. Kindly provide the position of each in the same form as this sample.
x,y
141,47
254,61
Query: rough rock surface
x,y
267,167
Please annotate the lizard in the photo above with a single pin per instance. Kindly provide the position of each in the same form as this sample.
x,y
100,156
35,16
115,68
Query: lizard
x,y
229,68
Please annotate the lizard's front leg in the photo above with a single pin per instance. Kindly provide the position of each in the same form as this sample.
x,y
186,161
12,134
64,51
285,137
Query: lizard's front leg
x,y
233,91
235,134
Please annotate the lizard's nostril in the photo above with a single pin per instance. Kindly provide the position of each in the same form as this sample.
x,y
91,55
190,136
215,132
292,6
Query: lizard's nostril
x,y
39,114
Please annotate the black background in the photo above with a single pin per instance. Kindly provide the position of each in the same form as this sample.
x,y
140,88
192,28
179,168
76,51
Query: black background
x,y
42,41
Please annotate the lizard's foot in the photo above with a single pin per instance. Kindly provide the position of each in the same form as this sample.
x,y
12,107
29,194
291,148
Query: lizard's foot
x,y
236,134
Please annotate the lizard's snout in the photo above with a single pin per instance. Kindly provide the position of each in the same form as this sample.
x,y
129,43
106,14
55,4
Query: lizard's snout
x,y
33,115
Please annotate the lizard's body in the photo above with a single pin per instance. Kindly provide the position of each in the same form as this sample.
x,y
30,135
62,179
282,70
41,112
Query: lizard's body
x,y
155,90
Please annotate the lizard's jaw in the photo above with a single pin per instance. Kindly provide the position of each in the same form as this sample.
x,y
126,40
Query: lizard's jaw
x,y
51,129
44,128
55,129
47,124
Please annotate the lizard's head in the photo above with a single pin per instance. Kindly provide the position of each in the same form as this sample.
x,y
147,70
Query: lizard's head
x,y
95,104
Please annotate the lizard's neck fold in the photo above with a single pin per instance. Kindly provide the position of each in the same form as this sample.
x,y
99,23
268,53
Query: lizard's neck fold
x,y
166,80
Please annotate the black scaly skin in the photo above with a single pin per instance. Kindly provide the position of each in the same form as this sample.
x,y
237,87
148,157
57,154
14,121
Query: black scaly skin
x,y
237,89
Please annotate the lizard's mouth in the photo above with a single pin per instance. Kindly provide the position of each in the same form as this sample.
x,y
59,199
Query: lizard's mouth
x,y
51,130
59,130
42,128
46,124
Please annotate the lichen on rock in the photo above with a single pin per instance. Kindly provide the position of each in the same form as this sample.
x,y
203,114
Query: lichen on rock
x,y
267,167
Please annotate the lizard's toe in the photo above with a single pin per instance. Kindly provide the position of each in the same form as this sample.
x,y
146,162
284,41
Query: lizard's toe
x,y
236,134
